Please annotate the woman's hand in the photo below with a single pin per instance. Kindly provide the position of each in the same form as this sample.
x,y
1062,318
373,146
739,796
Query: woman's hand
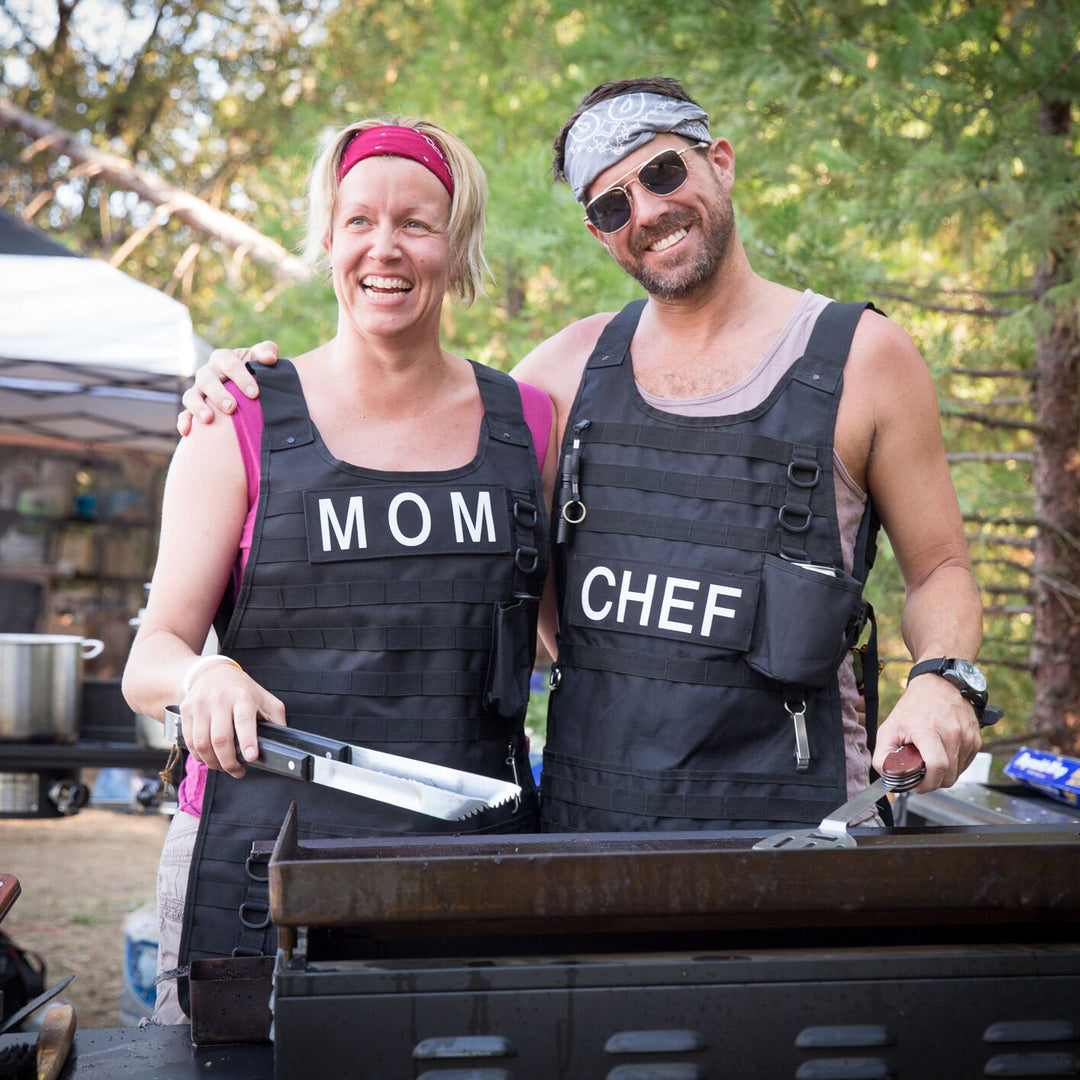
x,y
219,713
209,389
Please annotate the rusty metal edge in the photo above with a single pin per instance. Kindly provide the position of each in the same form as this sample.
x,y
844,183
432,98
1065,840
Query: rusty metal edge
x,y
1000,877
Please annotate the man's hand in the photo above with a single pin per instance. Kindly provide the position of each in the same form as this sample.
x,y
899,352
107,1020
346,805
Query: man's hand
x,y
935,718
209,389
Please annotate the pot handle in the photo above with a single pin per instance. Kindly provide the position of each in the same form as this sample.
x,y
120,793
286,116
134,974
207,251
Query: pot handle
x,y
91,647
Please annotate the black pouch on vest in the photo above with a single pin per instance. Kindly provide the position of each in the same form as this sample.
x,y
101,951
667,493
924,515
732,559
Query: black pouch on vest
x,y
802,621
513,645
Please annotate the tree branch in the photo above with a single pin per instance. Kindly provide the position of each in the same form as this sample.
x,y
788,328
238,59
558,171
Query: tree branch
x,y
970,455
1028,523
993,373
948,309
1007,590
992,421
1010,564
951,290
202,217
1027,543
995,403
1040,87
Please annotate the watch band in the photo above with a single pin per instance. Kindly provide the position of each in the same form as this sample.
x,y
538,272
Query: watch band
x,y
937,665
945,667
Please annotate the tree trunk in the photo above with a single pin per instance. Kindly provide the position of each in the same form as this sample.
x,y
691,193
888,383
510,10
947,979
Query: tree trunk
x,y
1055,651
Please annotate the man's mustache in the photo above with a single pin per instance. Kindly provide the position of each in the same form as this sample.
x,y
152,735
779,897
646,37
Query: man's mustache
x,y
644,238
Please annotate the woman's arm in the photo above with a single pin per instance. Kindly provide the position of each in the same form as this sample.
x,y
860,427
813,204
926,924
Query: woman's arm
x,y
203,513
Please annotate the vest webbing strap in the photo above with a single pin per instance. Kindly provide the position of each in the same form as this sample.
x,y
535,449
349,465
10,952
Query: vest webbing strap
x,y
220,895
366,639
286,424
286,549
650,666
690,440
369,593
615,338
371,683
706,807
205,942
502,407
715,488
363,730
738,537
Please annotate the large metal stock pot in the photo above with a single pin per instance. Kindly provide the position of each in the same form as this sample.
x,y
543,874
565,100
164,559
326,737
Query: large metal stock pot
x,y
41,679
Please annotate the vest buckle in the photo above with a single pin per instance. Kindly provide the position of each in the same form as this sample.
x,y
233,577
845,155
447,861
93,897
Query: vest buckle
x,y
526,559
803,474
793,518
260,918
525,513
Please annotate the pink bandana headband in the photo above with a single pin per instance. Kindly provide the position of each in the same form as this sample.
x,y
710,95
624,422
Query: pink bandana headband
x,y
394,141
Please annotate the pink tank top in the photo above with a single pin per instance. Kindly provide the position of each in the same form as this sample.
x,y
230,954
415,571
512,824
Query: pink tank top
x,y
248,425
789,345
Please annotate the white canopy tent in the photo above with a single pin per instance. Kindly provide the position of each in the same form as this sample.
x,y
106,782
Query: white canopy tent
x,y
87,354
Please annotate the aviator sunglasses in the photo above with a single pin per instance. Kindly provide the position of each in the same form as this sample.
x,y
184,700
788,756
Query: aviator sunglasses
x,y
661,175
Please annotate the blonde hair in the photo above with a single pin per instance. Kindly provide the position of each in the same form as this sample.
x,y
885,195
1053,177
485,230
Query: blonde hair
x,y
465,234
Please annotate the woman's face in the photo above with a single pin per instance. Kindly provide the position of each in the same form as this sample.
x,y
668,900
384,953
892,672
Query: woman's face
x,y
388,249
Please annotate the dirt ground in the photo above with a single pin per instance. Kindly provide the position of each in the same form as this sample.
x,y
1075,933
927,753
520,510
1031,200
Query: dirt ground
x,y
81,877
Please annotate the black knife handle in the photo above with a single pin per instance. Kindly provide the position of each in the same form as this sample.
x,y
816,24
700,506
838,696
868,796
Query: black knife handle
x,y
283,760
302,741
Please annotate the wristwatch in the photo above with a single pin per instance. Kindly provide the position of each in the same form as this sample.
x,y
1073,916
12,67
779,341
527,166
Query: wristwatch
x,y
968,679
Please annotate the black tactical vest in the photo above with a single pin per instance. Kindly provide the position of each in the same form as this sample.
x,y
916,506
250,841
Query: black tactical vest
x,y
390,609
703,606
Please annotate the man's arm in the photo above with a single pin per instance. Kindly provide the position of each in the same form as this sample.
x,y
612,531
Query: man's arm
x,y
209,391
908,478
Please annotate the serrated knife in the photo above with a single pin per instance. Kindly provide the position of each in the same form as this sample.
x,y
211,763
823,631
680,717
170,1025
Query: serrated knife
x,y
420,786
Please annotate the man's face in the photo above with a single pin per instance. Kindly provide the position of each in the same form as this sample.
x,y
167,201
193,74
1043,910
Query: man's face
x,y
674,244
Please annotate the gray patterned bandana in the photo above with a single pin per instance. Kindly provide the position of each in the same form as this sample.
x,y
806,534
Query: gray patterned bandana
x,y
606,133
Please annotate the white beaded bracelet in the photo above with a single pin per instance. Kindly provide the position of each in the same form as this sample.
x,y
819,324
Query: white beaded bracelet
x,y
199,663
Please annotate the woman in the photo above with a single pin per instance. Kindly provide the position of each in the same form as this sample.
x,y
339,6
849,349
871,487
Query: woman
x,y
369,540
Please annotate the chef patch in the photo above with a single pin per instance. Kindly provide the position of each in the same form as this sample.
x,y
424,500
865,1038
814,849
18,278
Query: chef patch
x,y
705,607
380,520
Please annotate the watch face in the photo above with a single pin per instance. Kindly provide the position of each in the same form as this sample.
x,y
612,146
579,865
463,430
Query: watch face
x,y
970,674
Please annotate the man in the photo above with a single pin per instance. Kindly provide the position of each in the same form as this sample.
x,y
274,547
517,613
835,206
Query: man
x,y
712,522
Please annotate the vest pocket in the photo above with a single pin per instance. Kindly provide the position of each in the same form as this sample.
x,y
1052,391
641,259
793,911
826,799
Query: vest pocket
x,y
513,649
800,632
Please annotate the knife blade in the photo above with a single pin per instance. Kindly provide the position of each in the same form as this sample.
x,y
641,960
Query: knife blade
x,y
420,786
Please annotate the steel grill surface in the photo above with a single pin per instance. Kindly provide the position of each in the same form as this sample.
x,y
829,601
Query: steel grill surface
x,y
907,876
935,953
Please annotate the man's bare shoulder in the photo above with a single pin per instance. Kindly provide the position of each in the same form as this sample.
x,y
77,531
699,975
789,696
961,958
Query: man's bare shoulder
x,y
556,364
884,364
880,340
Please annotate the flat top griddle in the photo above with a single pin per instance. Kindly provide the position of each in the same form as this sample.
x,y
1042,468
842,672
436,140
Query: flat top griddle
x,y
548,883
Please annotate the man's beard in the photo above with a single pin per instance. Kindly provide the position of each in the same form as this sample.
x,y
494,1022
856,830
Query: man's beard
x,y
685,279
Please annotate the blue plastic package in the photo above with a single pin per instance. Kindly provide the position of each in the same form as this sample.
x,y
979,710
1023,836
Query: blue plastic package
x,y
1052,774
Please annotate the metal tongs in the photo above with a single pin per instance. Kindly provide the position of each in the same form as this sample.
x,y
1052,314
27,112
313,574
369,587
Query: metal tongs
x,y
901,771
420,786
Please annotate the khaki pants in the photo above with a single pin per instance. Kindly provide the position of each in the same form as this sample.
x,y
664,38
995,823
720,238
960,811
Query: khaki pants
x,y
172,880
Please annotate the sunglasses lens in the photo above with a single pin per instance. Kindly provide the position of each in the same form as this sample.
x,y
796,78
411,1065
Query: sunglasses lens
x,y
609,212
664,174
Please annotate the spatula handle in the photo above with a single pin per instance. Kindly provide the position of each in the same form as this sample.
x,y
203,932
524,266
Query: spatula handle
x,y
903,767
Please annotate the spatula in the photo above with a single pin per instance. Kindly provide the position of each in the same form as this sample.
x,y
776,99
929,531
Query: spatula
x,y
901,771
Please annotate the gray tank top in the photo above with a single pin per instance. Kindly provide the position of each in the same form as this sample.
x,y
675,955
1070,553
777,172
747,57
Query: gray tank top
x,y
788,346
